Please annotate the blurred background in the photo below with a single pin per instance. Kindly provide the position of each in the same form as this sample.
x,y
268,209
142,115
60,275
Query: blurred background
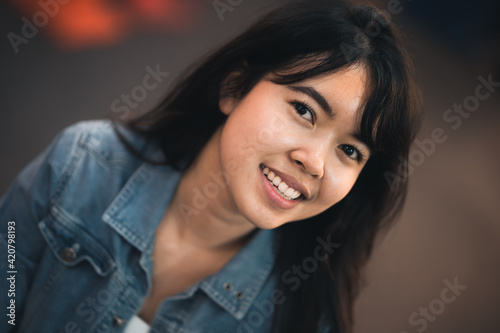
x,y
436,271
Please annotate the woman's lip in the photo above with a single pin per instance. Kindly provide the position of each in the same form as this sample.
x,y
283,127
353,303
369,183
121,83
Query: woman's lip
x,y
290,181
275,197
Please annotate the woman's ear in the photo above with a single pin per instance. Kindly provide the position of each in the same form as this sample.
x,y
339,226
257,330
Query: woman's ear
x,y
227,101
227,104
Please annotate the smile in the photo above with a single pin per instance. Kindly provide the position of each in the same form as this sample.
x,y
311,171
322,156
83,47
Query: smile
x,y
281,187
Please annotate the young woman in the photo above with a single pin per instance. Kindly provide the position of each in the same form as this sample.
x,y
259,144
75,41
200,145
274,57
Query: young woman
x,y
247,201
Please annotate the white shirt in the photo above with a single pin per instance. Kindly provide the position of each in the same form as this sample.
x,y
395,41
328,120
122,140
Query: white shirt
x,y
136,325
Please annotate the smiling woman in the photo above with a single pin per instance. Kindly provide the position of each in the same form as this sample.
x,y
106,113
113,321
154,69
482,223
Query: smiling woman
x,y
247,201
313,153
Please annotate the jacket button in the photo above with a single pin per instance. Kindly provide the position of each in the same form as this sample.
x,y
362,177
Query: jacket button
x,y
118,321
68,254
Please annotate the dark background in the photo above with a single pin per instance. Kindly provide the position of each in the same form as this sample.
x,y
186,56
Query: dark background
x,y
450,228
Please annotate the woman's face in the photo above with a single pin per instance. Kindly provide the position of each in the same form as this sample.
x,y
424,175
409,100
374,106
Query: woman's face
x,y
291,151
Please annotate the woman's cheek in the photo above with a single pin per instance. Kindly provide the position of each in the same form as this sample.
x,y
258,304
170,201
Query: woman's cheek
x,y
269,124
348,183
336,188
274,128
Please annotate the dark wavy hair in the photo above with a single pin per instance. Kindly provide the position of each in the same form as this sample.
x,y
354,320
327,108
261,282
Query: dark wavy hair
x,y
295,42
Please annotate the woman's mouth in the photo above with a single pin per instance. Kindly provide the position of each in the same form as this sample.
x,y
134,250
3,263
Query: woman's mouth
x,y
281,187
279,191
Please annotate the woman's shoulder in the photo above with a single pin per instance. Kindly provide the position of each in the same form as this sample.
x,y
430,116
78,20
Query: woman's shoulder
x,y
104,133
101,137
96,174
89,154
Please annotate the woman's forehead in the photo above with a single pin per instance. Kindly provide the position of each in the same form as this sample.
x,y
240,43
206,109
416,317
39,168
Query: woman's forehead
x,y
341,92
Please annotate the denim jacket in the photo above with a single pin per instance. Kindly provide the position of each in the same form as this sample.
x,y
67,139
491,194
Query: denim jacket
x,y
82,217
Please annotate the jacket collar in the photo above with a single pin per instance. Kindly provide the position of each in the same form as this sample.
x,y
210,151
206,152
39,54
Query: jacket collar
x,y
139,207
238,283
135,214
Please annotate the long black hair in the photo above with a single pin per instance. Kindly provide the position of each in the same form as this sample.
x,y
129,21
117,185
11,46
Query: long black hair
x,y
298,41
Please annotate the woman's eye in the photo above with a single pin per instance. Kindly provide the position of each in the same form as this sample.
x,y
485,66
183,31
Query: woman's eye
x,y
304,111
351,152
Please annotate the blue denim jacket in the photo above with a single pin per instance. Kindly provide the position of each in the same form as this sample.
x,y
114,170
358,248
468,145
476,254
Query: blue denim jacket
x,y
85,212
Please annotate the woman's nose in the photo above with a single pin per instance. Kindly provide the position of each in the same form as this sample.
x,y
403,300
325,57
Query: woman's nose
x,y
311,159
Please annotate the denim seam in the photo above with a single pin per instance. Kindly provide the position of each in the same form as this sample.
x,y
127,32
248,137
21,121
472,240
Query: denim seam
x,y
141,174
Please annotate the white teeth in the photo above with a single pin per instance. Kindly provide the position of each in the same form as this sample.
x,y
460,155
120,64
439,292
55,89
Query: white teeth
x,y
283,187
284,190
289,191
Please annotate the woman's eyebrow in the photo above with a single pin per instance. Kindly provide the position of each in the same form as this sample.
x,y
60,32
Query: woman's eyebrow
x,y
314,94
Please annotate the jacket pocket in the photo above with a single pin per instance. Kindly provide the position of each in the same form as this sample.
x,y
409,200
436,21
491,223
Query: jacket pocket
x,y
72,244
